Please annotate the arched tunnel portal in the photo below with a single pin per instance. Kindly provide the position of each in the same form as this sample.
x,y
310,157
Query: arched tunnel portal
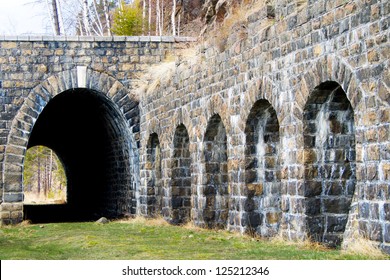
x,y
90,136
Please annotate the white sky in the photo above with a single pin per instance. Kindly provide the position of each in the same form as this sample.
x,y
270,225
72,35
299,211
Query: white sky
x,y
23,17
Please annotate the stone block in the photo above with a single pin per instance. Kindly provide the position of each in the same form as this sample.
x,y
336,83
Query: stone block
x,y
376,231
13,184
385,172
332,240
8,45
384,136
13,197
310,155
16,216
285,205
364,210
385,248
313,188
372,171
251,175
386,211
208,214
386,237
255,189
151,200
336,224
374,211
5,215
385,116
273,217
177,202
336,205
254,219
249,205
373,152
316,226
318,50
313,206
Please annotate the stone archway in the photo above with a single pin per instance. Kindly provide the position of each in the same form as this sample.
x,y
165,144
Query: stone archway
x,y
329,158
181,177
216,192
153,176
262,170
92,131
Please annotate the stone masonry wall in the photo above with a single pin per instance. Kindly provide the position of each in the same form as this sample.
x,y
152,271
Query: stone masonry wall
x,y
34,70
283,127
303,99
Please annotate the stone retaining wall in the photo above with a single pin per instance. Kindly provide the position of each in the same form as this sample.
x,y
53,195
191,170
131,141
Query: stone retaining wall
x,y
288,125
282,127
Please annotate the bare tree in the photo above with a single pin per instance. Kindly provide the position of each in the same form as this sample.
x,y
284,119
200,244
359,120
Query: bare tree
x,y
107,16
158,19
39,174
86,20
162,15
173,20
149,16
60,17
97,22
53,14
94,17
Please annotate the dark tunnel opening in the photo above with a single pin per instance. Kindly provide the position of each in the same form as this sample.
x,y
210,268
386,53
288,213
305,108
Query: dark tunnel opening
x,y
89,135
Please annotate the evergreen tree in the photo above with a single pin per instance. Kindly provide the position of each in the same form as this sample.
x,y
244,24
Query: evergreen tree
x,y
127,19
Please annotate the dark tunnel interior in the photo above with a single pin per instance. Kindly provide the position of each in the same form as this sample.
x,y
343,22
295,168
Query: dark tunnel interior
x,y
86,131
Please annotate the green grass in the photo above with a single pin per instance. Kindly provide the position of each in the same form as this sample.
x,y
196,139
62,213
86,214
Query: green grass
x,y
142,239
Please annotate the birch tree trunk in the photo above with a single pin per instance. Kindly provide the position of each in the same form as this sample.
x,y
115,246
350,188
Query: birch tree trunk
x,y
45,177
178,26
158,21
162,16
173,17
60,17
53,14
86,18
80,24
107,16
97,22
143,16
150,16
55,18
51,169
39,175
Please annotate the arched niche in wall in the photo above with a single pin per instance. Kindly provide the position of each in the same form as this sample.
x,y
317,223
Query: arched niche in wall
x,y
216,209
329,155
262,170
181,177
153,175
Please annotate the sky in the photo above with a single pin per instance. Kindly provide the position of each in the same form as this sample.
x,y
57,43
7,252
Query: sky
x,y
23,17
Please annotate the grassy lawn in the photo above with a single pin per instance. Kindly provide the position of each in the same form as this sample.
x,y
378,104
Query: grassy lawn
x,y
140,239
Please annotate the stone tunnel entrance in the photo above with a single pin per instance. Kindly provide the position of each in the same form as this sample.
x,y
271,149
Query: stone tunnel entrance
x,y
88,133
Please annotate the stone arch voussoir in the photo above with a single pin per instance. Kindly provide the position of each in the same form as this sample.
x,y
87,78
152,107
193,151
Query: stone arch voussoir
x,y
261,89
329,68
180,116
153,126
33,105
216,105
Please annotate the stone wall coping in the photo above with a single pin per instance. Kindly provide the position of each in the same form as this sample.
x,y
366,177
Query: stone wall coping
x,y
154,39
